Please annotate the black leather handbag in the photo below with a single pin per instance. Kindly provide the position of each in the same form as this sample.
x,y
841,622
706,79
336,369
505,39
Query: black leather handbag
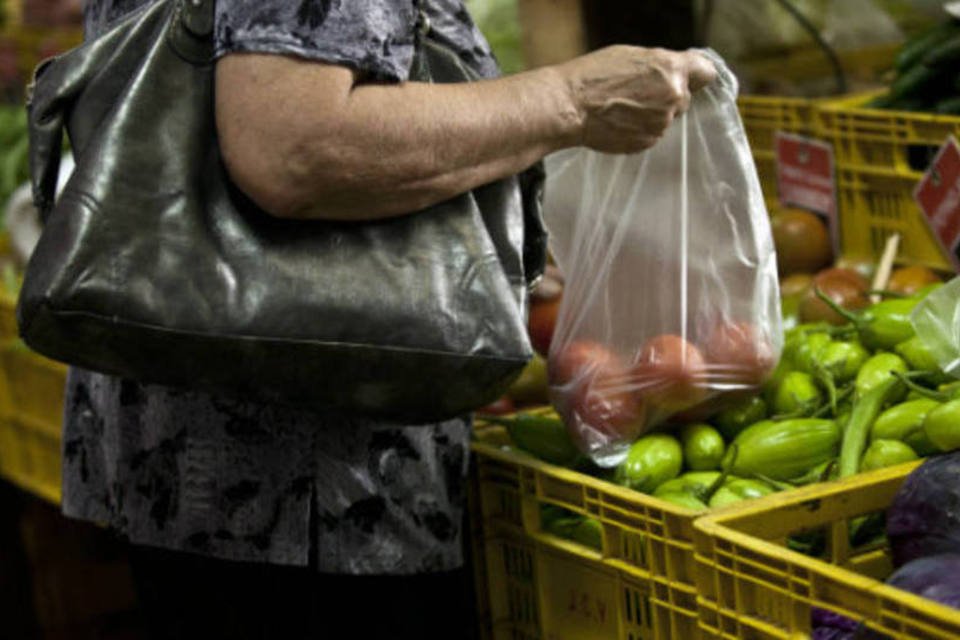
x,y
152,266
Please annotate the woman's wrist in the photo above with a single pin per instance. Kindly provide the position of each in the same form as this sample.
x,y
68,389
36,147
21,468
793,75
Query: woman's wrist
x,y
568,114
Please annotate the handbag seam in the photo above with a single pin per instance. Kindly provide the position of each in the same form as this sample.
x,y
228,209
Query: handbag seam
x,y
292,341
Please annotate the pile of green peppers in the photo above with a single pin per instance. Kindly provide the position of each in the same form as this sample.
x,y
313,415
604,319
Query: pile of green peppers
x,y
843,399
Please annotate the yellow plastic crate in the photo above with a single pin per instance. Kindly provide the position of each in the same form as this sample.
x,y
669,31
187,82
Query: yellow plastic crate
x,y
751,586
31,458
647,551
875,204
877,139
545,590
762,117
31,408
478,559
36,387
880,156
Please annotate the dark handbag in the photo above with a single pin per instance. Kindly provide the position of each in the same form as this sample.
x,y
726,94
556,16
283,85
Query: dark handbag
x,y
152,266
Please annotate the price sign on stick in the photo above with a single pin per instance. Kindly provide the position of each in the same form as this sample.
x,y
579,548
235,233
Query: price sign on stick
x,y
805,178
938,195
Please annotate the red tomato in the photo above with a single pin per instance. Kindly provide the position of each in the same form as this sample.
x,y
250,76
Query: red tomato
x,y
802,241
852,276
670,373
909,280
845,287
610,413
592,389
499,407
544,308
542,323
739,352
580,360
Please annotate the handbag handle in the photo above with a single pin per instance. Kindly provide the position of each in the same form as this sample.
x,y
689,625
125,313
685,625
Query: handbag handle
x,y
197,16
45,117
53,90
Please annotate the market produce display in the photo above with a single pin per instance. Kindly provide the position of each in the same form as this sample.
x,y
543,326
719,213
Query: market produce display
x,y
927,73
854,390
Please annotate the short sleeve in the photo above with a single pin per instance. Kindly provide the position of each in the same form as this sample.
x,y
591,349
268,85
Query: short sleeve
x,y
375,37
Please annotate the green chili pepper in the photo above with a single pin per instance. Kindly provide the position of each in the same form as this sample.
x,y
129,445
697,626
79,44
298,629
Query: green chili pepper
x,y
879,369
883,325
562,526
551,512
735,419
779,485
843,360
682,499
542,435
703,447
808,328
738,490
942,426
692,482
836,406
795,339
820,473
869,529
916,354
798,394
588,532
875,392
837,361
768,391
920,391
804,329
904,422
783,450
650,461
886,453
807,356
950,388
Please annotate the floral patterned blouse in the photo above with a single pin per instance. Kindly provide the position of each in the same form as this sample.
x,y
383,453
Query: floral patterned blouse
x,y
245,481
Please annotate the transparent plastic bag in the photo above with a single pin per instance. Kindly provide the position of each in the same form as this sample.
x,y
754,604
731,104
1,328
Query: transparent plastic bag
x,y
936,319
671,302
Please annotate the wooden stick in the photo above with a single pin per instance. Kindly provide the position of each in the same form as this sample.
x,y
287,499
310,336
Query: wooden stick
x,y
882,276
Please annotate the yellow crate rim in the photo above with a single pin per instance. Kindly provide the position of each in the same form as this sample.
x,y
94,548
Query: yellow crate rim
x,y
720,526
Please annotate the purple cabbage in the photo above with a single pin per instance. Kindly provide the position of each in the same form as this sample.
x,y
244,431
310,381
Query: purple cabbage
x,y
828,625
824,618
936,578
924,519
831,633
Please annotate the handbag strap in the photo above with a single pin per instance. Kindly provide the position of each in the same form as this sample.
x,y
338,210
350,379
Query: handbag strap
x,y
191,34
197,17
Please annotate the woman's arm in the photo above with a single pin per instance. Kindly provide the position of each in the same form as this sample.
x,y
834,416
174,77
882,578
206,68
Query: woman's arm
x,y
303,140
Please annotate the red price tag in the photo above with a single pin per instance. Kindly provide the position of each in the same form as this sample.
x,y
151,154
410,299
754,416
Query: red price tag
x,y
938,194
805,177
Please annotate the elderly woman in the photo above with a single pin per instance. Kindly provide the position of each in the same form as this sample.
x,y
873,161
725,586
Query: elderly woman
x,y
254,520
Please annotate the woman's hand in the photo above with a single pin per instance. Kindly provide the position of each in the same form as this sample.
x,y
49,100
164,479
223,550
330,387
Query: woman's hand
x,y
628,96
